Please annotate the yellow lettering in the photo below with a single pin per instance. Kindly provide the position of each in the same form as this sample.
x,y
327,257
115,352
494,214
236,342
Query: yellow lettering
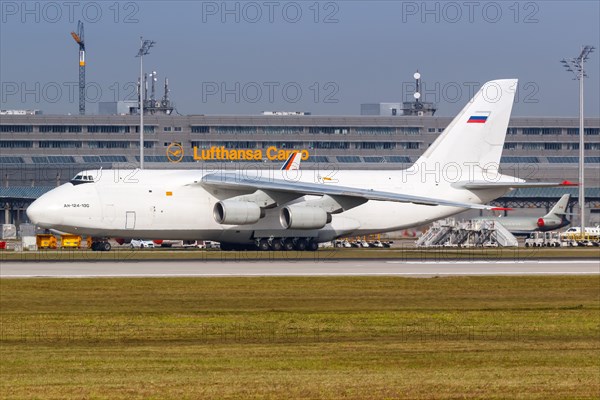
x,y
270,153
221,153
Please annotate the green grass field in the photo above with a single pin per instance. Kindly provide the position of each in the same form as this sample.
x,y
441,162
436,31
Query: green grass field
x,y
279,338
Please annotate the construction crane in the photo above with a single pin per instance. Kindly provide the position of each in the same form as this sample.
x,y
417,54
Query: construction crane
x,y
79,38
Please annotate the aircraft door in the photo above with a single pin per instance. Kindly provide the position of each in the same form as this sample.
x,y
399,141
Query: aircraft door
x,y
109,214
130,220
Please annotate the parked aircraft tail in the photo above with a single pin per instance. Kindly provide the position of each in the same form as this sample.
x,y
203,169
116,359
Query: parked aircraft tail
x,y
560,208
293,162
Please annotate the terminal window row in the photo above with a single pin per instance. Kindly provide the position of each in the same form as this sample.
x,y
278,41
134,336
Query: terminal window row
x,y
573,160
16,128
283,130
519,160
53,160
588,131
113,144
73,144
290,130
410,130
61,128
227,145
104,159
11,160
552,160
162,159
549,146
551,131
99,144
305,145
77,128
16,144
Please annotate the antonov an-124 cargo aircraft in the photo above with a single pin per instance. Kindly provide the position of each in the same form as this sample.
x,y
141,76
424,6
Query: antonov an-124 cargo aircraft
x,y
291,208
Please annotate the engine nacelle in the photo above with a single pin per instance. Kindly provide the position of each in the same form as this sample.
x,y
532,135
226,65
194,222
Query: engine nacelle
x,y
298,217
236,213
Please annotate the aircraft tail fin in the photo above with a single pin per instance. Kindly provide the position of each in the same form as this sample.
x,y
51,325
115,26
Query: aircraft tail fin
x,y
476,135
293,162
560,208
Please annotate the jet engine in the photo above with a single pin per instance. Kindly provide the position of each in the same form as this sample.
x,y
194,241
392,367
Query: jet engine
x,y
548,223
298,217
236,212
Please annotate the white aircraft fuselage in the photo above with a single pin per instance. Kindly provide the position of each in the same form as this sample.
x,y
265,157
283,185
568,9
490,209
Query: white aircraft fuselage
x,y
172,204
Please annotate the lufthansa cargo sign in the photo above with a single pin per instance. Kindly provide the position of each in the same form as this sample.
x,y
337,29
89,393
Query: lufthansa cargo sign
x,y
175,154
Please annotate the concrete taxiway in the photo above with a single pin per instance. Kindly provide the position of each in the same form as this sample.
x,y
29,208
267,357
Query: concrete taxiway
x,y
208,268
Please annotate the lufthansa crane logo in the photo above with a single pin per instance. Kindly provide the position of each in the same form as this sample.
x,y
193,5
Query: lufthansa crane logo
x,y
175,152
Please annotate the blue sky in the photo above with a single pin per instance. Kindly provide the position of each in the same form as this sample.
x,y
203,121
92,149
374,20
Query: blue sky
x,y
324,57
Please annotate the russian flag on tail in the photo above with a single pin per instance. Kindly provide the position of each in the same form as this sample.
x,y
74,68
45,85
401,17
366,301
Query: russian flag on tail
x,y
480,117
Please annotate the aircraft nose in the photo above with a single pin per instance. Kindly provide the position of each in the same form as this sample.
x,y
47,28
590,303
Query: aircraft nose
x,y
45,212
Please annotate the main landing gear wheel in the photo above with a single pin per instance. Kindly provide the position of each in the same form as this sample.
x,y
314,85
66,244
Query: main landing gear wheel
x,y
301,244
313,246
288,244
263,245
276,245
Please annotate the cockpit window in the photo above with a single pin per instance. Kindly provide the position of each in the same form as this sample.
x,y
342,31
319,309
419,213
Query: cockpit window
x,y
79,179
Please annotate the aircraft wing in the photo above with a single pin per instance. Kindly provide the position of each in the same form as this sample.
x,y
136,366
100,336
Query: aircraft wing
x,y
232,181
511,185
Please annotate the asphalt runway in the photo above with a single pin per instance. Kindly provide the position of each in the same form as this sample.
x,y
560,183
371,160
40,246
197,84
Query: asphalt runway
x,y
208,268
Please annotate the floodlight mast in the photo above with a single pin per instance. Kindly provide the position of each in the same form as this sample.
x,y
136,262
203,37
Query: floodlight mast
x,y
145,46
576,66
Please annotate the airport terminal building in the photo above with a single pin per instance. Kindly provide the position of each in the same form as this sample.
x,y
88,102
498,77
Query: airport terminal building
x,y
42,151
